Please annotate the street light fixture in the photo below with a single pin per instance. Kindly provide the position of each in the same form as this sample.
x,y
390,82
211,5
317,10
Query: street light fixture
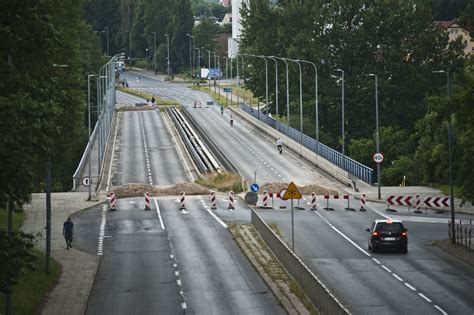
x,y
190,54
107,32
301,102
342,119
287,94
209,68
377,134
276,83
316,104
448,86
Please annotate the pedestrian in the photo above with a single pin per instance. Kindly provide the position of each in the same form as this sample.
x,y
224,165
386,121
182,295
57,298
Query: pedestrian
x,y
231,120
279,144
153,100
222,110
68,228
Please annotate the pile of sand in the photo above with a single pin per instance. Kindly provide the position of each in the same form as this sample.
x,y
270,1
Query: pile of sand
x,y
138,190
304,190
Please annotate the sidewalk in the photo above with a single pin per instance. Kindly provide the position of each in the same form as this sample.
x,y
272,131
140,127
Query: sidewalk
x,y
70,295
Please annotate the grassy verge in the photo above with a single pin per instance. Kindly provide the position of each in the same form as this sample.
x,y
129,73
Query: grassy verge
x,y
29,293
222,182
148,96
447,190
221,100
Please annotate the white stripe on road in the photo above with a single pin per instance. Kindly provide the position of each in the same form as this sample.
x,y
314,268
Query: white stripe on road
x,y
410,286
440,309
424,296
100,247
159,214
397,277
386,269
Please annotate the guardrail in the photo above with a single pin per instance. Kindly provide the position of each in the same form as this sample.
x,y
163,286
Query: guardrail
x,y
463,233
317,292
353,167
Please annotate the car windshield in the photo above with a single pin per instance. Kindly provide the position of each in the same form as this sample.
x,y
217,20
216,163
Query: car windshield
x,y
389,227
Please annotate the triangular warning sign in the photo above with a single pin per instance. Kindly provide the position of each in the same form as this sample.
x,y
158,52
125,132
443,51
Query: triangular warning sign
x,y
292,192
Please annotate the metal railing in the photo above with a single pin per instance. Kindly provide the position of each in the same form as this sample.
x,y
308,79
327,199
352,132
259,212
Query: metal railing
x,y
351,166
463,233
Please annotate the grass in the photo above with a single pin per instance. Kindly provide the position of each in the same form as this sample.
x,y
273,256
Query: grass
x,y
148,96
447,190
29,293
222,182
221,100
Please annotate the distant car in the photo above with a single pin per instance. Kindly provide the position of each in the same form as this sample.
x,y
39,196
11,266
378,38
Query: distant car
x,y
388,234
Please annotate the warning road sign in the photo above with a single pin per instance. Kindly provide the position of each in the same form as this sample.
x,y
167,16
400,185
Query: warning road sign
x,y
292,192
85,181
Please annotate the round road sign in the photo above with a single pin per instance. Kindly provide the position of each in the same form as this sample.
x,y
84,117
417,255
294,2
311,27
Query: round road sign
x,y
251,198
254,188
378,157
85,181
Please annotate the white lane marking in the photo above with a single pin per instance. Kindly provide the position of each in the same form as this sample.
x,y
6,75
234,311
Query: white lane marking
x,y
410,286
386,269
217,218
397,277
425,297
183,306
342,234
112,155
100,247
150,179
158,212
440,309
176,273
376,260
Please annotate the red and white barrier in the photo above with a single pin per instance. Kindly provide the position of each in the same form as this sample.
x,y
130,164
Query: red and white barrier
x,y
313,201
147,201
213,200
399,200
231,200
265,198
328,208
436,202
181,201
362,203
348,208
112,201
417,203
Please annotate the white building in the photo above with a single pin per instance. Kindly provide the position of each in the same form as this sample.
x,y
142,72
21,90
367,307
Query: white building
x,y
234,41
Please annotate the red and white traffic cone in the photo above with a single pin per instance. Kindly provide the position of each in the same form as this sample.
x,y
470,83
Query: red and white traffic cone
x,y
362,203
182,207
417,204
147,201
213,200
313,201
112,202
231,200
265,198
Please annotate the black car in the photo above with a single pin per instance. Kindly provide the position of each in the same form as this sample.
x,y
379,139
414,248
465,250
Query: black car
x,y
388,234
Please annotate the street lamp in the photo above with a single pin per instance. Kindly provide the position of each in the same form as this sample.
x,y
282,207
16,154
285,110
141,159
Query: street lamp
x,y
209,68
154,51
448,86
89,127
107,32
168,53
342,120
301,100
276,83
199,61
190,55
377,134
316,104
287,95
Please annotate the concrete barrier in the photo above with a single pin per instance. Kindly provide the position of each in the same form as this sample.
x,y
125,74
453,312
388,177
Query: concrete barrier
x,y
320,296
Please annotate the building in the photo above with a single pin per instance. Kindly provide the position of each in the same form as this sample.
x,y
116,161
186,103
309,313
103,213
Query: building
x,y
455,31
225,3
234,41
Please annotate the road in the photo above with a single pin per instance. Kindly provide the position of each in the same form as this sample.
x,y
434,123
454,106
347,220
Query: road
x,y
164,261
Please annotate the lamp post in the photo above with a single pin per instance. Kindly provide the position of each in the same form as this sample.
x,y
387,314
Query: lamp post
x,y
209,67
342,119
451,188
316,104
377,134
130,48
266,80
154,51
168,53
276,83
107,32
301,100
217,71
89,128
199,61
190,55
287,95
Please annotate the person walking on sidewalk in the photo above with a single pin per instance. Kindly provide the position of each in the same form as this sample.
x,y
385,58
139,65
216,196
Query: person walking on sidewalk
x,y
231,120
68,227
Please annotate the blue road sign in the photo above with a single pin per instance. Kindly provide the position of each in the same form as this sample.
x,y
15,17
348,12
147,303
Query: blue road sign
x,y
254,188
227,90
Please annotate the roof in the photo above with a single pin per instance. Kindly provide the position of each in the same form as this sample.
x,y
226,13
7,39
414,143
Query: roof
x,y
445,24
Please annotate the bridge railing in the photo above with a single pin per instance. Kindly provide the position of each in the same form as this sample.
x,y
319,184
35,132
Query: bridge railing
x,y
351,166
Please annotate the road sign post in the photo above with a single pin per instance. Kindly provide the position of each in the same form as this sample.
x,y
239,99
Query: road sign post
x,y
292,193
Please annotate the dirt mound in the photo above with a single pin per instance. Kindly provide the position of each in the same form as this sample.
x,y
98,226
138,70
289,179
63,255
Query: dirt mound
x,y
304,190
138,190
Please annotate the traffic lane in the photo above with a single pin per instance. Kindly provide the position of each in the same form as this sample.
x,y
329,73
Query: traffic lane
x,y
165,166
136,273
363,286
424,268
239,215
86,229
216,277
131,164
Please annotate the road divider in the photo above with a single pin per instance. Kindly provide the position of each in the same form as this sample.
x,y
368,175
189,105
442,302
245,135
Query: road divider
x,y
147,201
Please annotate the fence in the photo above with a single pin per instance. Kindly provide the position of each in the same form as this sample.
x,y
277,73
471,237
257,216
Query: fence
x,y
463,233
351,166
316,291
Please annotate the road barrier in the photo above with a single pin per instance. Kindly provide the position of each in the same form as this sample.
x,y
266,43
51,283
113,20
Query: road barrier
x,y
265,198
147,201
362,203
313,201
348,208
429,202
213,200
317,292
181,201
417,204
231,200
112,201
327,197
